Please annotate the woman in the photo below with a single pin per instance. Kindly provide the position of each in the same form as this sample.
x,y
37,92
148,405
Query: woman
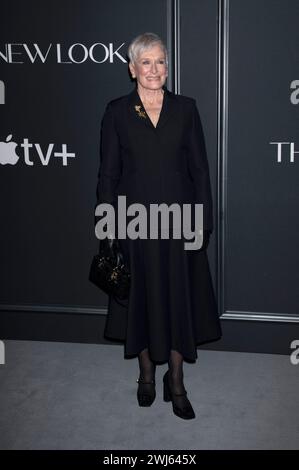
x,y
152,152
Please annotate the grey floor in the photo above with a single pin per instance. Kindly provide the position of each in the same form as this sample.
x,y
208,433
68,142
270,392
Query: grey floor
x,y
81,396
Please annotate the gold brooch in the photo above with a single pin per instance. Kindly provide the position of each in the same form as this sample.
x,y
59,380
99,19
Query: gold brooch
x,y
140,113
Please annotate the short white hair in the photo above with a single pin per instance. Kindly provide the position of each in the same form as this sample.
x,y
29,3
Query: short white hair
x,y
143,42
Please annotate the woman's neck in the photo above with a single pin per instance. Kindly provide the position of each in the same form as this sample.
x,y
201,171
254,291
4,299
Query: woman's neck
x,y
150,96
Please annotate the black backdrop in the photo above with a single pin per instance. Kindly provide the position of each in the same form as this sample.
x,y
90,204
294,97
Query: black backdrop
x,y
60,62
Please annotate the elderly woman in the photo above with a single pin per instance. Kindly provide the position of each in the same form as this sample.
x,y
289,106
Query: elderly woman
x,y
153,152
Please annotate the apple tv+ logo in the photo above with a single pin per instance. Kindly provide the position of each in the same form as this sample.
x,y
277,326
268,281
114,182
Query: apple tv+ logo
x,y
8,155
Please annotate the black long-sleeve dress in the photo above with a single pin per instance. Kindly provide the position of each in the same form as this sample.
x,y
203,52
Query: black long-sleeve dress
x,y
172,302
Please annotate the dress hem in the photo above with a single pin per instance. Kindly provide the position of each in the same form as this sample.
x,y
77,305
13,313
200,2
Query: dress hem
x,y
186,357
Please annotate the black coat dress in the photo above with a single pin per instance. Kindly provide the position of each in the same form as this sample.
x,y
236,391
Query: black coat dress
x,y
172,303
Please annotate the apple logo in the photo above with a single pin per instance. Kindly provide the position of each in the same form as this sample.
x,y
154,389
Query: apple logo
x,y
7,152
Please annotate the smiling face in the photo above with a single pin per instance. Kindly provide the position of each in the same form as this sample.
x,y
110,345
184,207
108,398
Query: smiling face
x,y
150,69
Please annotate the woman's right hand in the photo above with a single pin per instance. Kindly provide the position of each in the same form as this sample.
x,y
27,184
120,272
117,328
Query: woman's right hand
x,y
104,244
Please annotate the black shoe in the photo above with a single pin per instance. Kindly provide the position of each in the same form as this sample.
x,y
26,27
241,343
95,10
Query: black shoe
x,y
146,392
186,411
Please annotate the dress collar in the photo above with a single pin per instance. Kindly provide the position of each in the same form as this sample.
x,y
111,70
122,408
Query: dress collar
x,y
138,110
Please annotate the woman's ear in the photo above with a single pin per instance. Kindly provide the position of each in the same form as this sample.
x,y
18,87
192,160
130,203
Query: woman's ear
x,y
131,67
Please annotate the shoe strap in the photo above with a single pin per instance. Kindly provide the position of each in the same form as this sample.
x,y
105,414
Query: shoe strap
x,y
179,394
176,394
142,382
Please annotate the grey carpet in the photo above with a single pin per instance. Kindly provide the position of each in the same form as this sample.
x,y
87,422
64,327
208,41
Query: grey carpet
x,y
82,396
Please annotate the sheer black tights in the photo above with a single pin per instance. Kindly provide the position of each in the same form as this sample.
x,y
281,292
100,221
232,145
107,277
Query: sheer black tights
x,y
176,375
146,366
175,363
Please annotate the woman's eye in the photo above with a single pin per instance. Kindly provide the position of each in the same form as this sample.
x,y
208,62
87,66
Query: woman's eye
x,y
145,62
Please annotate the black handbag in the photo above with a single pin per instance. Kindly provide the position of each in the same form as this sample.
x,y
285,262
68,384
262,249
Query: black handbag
x,y
109,272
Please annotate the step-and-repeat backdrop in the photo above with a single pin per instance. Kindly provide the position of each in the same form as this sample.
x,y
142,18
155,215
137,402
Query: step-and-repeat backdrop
x,y
261,176
61,62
